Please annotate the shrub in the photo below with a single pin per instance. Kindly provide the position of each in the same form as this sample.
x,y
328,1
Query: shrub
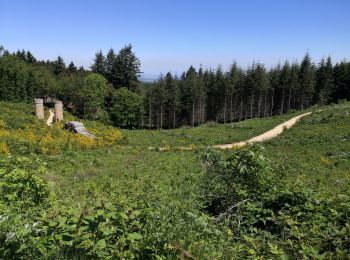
x,y
27,135
20,182
231,178
126,108
268,216
4,149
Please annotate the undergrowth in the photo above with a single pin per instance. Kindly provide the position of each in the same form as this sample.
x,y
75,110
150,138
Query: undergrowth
x,y
286,199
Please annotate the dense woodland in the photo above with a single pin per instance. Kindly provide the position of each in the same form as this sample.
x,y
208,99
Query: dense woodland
x,y
111,90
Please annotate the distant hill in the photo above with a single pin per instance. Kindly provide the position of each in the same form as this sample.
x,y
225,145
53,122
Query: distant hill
x,y
148,78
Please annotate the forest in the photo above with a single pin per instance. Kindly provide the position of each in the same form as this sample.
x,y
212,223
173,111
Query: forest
x,y
111,91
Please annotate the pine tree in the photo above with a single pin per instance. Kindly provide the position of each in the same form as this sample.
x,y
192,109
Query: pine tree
x,y
293,84
219,93
30,58
233,81
110,67
59,66
126,68
172,92
22,55
161,97
284,84
324,81
260,83
99,66
72,68
201,95
306,80
275,82
190,94
252,84
211,94
341,81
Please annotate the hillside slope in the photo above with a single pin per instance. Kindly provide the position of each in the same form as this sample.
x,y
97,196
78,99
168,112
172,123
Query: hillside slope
x,y
123,200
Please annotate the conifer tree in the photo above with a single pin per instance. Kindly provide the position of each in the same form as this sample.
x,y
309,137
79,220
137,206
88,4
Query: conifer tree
x,y
293,84
72,68
306,80
233,76
324,81
30,58
172,92
110,67
341,81
99,65
126,68
274,84
59,66
284,84
161,97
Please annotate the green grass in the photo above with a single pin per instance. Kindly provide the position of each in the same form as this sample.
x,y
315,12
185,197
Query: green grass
x,y
316,151
207,134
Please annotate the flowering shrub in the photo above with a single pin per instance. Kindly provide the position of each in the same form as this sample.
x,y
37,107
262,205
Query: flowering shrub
x,y
27,135
4,149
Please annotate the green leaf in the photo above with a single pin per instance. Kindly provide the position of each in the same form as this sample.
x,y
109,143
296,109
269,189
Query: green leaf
x,y
134,236
123,215
101,244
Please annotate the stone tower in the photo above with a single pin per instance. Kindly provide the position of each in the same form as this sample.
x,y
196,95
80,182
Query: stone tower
x,y
39,108
58,110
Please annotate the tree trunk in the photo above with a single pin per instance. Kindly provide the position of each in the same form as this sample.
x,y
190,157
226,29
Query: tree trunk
x,y
142,120
202,111
199,111
235,114
273,93
302,101
289,98
225,105
265,106
251,105
150,117
174,117
259,104
241,114
231,107
282,102
308,101
161,115
193,114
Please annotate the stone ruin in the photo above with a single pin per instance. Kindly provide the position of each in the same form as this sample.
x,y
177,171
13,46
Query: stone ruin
x,y
39,109
57,114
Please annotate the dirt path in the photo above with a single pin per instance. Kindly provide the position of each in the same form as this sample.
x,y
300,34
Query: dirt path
x,y
267,135
50,120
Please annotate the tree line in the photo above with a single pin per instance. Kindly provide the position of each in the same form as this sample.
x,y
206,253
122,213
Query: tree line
x,y
111,90
199,96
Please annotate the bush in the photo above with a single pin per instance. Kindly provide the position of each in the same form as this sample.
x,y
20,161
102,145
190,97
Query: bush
x,y
237,176
269,217
20,182
31,136
126,108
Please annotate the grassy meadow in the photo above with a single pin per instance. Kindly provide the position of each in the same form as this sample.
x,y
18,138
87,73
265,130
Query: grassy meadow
x,y
116,198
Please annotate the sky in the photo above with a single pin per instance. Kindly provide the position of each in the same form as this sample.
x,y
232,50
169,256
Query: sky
x,y
169,35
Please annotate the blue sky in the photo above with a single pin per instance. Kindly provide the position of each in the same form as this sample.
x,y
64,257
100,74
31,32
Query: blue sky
x,y
172,35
